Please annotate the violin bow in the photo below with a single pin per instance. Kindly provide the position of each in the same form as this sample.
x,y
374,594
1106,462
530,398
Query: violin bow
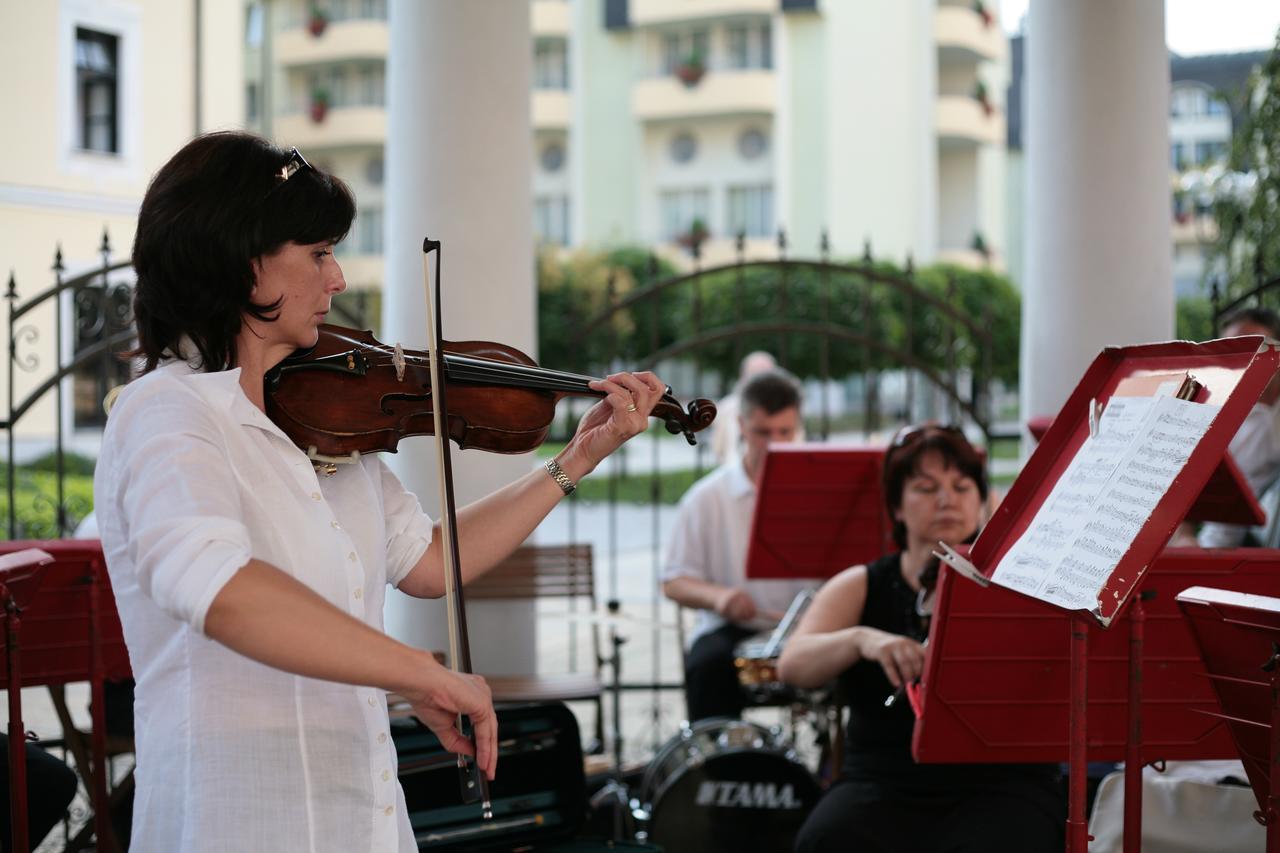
x,y
475,787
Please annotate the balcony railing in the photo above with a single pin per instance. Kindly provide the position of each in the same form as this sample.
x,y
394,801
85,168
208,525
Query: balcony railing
x,y
963,120
550,109
645,13
355,39
745,91
549,18
342,126
962,35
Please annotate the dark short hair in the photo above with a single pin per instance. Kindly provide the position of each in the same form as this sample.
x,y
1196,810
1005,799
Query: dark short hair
x,y
902,462
772,390
1258,316
215,207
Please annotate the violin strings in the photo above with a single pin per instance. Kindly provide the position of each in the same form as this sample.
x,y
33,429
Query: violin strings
x,y
481,369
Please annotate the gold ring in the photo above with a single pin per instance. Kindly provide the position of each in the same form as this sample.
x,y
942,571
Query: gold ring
x,y
631,408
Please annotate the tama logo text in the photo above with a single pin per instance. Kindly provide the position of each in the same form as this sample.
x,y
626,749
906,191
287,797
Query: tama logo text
x,y
747,795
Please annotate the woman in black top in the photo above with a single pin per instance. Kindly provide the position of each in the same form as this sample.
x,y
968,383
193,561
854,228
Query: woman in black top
x,y
867,627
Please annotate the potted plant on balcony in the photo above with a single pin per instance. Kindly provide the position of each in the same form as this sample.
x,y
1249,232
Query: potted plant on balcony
x,y
318,21
980,95
319,105
695,236
981,8
979,245
691,70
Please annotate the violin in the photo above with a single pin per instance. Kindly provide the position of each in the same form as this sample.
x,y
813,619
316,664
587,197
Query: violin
x,y
351,394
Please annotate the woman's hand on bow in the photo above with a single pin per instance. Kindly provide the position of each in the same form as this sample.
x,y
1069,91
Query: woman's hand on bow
x,y
448,694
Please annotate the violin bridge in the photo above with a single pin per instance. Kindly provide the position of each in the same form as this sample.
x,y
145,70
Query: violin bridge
x,y
397,359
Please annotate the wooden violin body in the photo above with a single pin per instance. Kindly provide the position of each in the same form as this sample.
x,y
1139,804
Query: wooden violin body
x,y
351,394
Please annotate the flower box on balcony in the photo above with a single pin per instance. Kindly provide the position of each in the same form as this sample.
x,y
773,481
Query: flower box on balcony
x,y
690,71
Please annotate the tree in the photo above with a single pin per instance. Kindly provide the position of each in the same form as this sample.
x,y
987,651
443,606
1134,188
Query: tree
x,y
1247,205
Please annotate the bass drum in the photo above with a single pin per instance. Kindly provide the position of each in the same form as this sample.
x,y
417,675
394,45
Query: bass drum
x,y
726,785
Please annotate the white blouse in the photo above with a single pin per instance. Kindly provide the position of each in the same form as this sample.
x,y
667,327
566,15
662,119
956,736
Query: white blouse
x,y
193,480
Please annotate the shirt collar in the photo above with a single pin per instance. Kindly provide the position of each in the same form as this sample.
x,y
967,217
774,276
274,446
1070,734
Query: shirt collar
x,y
222,389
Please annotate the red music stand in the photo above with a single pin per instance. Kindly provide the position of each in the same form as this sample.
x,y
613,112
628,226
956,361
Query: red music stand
x,y
1239,639
819,511
20,576
71,632
1230,374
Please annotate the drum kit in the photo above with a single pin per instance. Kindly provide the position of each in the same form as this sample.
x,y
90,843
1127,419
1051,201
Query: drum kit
x,y
724,784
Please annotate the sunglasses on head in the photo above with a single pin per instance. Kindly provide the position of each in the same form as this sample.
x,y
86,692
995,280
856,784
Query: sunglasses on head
x,y
295,164
909,435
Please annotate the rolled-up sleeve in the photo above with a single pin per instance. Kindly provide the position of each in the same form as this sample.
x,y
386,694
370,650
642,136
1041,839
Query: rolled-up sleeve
x,y
408,528
174,482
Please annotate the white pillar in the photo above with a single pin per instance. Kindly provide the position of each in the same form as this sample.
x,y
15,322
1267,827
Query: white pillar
x,y
459,152
1098,262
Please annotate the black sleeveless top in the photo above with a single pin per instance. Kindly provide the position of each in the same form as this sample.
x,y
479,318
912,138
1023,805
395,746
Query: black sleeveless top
x,y
878,744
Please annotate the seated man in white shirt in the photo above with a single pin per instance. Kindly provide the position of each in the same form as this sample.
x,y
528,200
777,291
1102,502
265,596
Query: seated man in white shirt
x,y
706,561
1256,445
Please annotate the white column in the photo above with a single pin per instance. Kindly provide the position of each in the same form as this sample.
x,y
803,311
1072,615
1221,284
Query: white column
x,y
1098,257
459,151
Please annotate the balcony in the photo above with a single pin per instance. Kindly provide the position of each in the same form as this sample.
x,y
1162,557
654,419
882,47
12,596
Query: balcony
x,y
962,122
647,13
343,127
550,19
550,109
362,38
963,37
738,92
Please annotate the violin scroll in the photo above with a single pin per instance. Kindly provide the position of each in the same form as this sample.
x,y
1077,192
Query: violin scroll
x,y
701,412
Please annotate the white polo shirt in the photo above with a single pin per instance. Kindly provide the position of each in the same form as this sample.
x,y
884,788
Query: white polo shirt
x,y
710,541
193,480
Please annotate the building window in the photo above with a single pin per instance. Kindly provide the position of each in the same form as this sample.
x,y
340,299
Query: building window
x,y
551,219
373,85
251,105
752,143
253,25
552,157
1210,152
681,209
684,147
751,211
369,231
750,45
551,64
1178,156
1188,101
97,90
373,171
679,48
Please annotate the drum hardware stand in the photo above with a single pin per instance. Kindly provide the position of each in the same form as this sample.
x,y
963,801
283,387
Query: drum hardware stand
x,y
614,792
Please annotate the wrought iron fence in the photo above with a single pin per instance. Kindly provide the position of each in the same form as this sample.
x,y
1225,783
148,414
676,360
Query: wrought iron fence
x,y
92,333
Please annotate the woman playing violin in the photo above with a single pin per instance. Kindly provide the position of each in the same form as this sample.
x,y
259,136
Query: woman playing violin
x,y
867,627
251,588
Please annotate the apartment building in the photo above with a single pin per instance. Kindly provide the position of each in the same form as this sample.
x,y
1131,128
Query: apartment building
x,y
99,94
661,122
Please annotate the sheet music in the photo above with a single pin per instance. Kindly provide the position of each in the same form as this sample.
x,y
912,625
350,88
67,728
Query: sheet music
x,y
1109,490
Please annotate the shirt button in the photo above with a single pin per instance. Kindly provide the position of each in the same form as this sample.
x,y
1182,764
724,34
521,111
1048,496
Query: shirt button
x,y
386,775
315,496
335,525
373,703
389,810
352,556
382,738
359,593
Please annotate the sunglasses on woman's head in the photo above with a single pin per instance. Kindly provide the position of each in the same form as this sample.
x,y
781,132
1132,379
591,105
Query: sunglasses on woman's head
x,y
911,434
